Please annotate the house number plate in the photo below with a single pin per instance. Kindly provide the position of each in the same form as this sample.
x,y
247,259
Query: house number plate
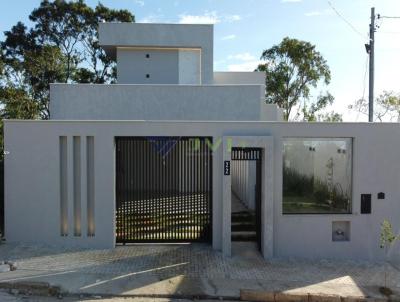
x,y
227,167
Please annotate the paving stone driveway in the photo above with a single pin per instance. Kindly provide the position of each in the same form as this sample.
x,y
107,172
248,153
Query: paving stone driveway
x,y
196,261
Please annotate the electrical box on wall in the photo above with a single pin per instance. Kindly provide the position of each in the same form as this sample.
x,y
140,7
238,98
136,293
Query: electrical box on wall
x,y
366,207
341,231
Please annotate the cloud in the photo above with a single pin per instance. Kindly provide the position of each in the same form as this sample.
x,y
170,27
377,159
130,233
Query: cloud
x,y
245,62
208,18
291,1
319,13
242,57
139,2
228,37
150,19
232,18
219,62
245,66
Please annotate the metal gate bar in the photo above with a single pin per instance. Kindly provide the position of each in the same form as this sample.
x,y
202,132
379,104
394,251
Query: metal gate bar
x,y
238,153
163,189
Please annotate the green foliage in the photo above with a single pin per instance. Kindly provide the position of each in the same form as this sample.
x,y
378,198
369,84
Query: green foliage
x,y
297,184
311,113
387,236
292,68
17,104
387,239
1,66
389,104
330,117
386,107
312,194
60,47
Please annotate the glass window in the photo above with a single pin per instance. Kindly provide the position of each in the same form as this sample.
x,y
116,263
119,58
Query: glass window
x,y
317,175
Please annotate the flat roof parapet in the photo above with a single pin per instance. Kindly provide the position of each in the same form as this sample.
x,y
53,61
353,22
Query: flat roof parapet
x,y
124,34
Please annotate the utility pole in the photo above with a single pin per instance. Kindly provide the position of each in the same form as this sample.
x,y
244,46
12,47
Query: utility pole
x,y
371,52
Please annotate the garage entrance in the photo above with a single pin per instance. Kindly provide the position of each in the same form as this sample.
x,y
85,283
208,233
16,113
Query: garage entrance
x,y
163,189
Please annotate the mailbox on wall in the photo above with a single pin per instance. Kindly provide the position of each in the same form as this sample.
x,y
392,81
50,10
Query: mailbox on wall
x,y
366,207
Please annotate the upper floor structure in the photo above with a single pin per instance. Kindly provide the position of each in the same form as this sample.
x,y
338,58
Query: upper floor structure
x,y
164,72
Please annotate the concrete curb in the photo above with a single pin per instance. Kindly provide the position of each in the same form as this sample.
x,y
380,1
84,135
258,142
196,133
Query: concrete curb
x,y
265,296
31,288
44,289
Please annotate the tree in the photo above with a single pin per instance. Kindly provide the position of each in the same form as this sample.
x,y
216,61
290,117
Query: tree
x,y
292,68
61,47
387,239
73,27
1,66
313,113
386,107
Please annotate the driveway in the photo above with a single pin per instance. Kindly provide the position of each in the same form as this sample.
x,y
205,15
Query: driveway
x,y
187,271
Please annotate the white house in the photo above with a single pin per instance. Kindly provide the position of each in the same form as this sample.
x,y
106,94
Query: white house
x,y
156,157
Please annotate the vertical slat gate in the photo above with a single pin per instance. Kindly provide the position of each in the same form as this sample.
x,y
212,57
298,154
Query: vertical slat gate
x,y
163,189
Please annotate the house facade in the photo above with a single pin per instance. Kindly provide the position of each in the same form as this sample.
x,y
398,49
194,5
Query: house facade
x,y
161,155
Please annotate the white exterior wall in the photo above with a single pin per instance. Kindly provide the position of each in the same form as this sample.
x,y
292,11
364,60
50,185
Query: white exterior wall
x,y
189,66
238,78
32,182
270,112
155,102
177,36
244,181
158,66
161,66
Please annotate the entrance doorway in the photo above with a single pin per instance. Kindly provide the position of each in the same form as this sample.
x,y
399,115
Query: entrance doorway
x,y
163,189
246,195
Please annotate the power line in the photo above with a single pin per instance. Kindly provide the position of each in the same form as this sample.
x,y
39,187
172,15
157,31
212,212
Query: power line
x,y
359,110
345,20
380,18
365,77
390,32
388,17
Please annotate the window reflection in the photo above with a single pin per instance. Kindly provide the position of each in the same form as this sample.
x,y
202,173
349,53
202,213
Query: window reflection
x,y
317,175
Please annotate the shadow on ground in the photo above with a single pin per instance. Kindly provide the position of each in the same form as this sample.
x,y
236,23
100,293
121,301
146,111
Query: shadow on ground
x,y
187,270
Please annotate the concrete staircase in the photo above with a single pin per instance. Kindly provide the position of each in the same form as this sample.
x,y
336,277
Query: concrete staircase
x,y
243,226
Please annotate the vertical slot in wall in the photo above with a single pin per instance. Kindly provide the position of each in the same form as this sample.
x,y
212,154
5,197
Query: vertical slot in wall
x,y
90,185
77,185
63,186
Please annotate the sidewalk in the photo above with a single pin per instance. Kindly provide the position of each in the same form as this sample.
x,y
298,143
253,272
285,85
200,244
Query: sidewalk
x,y
188,271
4,297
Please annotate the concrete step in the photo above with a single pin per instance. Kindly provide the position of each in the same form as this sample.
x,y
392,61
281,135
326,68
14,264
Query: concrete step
x,y
243,236
243,227
242,213
243,217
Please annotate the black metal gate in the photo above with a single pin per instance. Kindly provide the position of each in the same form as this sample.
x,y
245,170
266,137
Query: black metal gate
x,y
163,189
253,154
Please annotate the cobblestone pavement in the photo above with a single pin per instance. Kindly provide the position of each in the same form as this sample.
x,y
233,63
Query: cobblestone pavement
x,y
5,297
194,261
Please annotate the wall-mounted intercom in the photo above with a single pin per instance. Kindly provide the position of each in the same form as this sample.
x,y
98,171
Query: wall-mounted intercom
x,y
366,206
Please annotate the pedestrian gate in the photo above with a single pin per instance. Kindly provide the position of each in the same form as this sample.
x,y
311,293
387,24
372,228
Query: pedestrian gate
x,y
163,189
252,154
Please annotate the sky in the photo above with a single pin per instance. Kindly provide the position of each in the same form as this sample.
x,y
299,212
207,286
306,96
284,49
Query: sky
x,y
244,28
